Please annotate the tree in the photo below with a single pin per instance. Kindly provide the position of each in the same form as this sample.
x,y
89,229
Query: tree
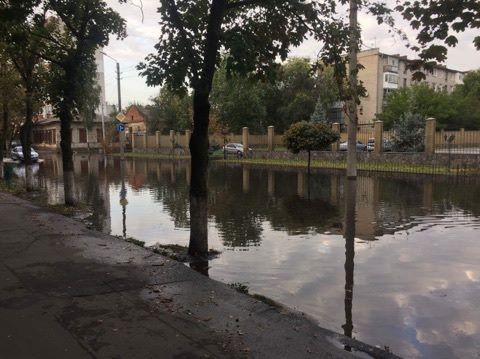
x,y
252,35
409,133
23,49
10,105
328,94
439,22
170,111
422,100
80,28
238,101
307,136
296,95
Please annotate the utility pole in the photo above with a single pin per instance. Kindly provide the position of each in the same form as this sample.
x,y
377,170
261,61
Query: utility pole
x,y
353,81
119,92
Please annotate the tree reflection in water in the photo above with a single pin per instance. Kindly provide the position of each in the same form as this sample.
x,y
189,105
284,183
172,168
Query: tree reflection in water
x,y
349,235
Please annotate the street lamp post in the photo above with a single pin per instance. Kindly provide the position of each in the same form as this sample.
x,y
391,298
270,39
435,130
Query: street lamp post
x,y
119,93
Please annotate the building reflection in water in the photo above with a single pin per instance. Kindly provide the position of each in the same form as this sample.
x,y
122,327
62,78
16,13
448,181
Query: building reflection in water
x,y
349,235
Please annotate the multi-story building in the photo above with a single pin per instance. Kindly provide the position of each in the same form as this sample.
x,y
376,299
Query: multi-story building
x,y
383,74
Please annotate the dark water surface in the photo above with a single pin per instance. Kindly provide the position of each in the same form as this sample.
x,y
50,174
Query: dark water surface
x,y
394,263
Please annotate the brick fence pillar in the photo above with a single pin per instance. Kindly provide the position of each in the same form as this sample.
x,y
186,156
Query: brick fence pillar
x,y
336,145
271,137
378,136
145,140
245,141
430,128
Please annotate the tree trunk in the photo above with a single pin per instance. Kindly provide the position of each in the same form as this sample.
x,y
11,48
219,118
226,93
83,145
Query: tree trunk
x,y
309,161
199,141
353,80
67,154
350,213
199,177
3,135
26,139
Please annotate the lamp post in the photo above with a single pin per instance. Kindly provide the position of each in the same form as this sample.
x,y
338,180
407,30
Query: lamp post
x,y
119,93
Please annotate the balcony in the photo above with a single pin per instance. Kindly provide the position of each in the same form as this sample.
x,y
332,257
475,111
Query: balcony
x,y
390,68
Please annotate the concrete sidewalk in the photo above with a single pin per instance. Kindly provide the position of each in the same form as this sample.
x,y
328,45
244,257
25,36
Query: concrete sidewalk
x,y
68,292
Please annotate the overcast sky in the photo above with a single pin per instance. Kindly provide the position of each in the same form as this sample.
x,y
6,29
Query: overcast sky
x,y
143,36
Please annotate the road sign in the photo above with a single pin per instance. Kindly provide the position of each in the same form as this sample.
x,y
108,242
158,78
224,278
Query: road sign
x,y
120,127
121,117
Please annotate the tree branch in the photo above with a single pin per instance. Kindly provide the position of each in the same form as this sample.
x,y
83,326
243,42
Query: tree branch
x,y
242,3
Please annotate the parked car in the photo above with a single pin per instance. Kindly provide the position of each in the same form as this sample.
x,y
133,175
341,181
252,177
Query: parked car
x,y
387,145
17,154
235,148
360,146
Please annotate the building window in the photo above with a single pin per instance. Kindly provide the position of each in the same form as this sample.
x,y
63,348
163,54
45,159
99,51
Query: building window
x,y
391,79
435,72
82,135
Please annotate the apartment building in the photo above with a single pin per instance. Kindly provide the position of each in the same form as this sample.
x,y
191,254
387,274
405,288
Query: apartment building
x,y
383,74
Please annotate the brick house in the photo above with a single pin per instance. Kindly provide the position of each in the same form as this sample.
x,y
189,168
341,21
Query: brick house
x,y
137,119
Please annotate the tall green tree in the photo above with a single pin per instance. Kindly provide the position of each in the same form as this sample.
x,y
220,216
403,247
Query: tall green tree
x,y
170,111
81,27
19,35
238,101
253,34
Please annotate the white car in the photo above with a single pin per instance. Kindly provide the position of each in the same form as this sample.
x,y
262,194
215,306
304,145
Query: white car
x,y
235,148
17,154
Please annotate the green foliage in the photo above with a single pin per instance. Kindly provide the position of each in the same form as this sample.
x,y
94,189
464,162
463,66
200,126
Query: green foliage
x,y
306,136
449,110
439,20
170,111
328,93
238,101
409,133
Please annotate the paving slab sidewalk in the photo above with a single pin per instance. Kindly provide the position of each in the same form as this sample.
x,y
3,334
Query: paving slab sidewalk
x,y
69,292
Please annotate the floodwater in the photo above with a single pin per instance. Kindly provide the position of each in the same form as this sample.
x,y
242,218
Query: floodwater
x,y
392,261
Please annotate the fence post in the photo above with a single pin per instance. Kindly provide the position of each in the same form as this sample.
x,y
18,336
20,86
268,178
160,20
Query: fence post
x,y
188,134
336,145
378,137
245,141
145,141
271,136
157,139
430,128
172,139
133,141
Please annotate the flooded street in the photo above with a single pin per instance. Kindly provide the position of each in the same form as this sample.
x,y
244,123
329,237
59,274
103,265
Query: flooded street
x,y
393,262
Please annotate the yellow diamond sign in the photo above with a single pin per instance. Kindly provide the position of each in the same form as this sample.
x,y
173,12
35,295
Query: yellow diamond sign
x,y
121,117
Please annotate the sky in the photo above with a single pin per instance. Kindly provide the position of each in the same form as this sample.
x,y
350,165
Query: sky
x,y
142,37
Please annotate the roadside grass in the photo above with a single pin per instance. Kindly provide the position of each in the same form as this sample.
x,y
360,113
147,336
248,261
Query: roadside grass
x,y
148,155
326,164
362,166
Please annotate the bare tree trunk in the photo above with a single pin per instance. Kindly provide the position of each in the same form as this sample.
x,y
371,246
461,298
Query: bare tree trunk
x,y
199,177
199,140
3,135
353,80
67,155
26,139
350,214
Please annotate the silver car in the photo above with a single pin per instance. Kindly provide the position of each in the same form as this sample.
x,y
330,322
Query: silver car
x,y
17,154
235,148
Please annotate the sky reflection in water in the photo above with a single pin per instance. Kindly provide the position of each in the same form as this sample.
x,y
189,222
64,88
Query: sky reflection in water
x,y
403,273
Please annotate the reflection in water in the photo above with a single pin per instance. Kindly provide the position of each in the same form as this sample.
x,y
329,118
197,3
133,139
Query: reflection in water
x,y
349,234
294,238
